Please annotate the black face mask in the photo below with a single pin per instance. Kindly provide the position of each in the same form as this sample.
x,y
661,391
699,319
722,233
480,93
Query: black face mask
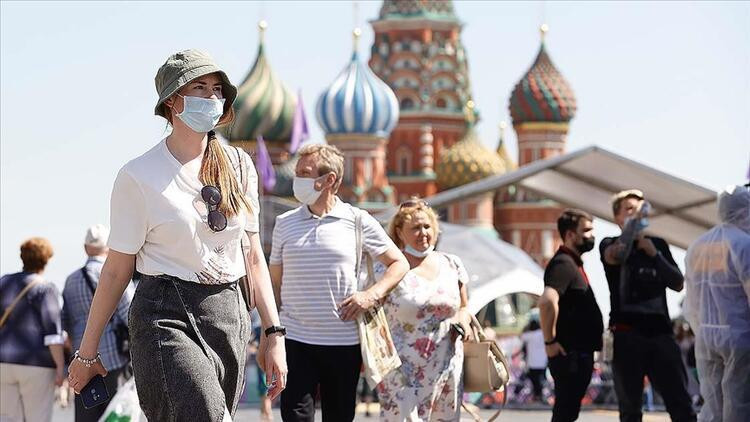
x,y
586,245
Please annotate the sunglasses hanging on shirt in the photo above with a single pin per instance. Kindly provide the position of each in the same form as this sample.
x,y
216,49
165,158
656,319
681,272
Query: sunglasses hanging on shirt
x,y
216,220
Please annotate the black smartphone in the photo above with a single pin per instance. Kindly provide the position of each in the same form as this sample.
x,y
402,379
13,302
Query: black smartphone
x,y
94,393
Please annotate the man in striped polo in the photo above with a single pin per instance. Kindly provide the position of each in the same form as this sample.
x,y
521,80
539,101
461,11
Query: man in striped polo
x,y
312,267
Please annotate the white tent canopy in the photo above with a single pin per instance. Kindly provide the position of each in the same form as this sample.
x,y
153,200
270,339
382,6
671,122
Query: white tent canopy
x,y
496,268
587,178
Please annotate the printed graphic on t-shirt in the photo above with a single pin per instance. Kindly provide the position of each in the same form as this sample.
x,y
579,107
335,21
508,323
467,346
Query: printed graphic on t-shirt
x,y
217,269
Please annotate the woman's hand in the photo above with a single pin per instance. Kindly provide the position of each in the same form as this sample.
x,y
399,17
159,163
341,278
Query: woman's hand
x,y
353,306
79,375
274,365
463,319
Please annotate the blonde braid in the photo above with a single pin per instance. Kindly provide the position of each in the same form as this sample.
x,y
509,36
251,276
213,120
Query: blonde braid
x,y
216,170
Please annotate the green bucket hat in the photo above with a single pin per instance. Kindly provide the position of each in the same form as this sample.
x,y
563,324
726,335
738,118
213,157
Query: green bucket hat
x,y
181,68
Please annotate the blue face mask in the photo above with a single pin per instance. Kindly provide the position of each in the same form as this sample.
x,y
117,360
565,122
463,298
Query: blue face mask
x,y
419,254
201,114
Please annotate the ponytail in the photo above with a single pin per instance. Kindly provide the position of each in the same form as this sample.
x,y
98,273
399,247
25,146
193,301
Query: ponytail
x,y
216,170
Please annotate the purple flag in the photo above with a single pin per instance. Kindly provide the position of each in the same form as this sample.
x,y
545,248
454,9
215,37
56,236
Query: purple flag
x,y
299,126
265,166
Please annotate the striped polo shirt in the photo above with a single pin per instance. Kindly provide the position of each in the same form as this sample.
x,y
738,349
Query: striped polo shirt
x,y
317,255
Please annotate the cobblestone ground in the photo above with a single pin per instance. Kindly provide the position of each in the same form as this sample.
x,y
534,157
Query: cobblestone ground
x,y
250,414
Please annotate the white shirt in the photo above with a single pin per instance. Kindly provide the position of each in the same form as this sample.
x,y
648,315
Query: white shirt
x,y
536,356
157,213
317,255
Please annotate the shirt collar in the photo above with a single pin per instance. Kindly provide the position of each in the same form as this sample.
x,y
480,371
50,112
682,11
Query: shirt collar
x,y
99,259
577,258
340,210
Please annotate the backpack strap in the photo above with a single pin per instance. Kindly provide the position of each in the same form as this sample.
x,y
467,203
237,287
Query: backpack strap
x,y
18,298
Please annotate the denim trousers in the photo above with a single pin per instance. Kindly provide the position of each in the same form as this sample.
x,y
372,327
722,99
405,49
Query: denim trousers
x,y
188,343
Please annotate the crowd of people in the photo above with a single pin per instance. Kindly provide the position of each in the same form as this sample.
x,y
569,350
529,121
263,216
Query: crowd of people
x,y
184,215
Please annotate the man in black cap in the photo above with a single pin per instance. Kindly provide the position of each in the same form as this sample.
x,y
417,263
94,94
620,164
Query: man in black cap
x,y
571,321
643,338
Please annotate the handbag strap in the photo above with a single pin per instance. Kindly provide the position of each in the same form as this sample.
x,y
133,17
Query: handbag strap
x,y
359,251
18,298
358,247
245,246
90,283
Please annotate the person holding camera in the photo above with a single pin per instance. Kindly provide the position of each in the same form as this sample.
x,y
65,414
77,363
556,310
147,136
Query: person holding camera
x,y
644,344
570,317
77,296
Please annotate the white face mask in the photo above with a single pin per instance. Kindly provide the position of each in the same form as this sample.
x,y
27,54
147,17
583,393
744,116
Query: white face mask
x,y
304,189
419,254
201,114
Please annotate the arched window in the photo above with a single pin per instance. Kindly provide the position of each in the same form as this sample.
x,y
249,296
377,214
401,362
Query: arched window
x,y
407,103
441,103
403,161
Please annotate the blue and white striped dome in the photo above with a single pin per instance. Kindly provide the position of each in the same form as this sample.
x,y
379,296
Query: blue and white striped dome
x,y
358,102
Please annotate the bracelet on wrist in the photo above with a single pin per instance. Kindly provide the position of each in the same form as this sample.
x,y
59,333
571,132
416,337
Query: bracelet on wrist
x,y
87,362
551,342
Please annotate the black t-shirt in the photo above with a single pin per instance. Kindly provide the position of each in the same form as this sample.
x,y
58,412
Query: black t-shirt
x,y
579,320
641,302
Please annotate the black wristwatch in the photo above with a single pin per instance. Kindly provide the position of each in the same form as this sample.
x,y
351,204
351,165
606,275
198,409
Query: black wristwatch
x,y
551,342
275,329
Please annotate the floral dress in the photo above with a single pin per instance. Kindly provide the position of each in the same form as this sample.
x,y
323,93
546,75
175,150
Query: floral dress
x,y
427,386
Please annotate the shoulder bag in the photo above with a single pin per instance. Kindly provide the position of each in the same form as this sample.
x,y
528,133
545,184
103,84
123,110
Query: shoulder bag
x,y
247,286
379,354
485,367
18,298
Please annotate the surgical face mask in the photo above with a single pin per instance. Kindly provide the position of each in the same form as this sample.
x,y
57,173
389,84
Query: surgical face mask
x,y
586,244
419,254
201,114
304,189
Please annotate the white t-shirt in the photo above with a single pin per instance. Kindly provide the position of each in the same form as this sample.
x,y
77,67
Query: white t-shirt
x,y
318,256
157,214
536,356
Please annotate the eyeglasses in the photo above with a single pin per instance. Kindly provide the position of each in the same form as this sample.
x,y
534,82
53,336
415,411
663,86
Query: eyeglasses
x,y
211,195
414,202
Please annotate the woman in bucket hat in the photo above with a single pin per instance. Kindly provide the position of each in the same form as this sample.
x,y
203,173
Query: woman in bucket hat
x,y
178,213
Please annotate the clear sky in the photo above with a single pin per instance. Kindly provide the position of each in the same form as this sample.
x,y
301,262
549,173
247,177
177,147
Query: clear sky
x,y
664,83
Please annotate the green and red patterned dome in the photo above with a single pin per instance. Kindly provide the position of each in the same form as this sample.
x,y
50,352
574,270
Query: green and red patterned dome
x,y
543,94
407,9
264,105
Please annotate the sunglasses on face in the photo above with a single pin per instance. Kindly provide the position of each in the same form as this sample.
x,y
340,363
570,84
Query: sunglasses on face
x,y
211,195
413,203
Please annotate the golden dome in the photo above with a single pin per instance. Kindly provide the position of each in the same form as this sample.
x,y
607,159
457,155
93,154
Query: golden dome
x,y
467,161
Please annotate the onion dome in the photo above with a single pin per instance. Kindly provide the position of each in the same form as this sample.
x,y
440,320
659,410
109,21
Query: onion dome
x,y
357,102
542,95
264,105
284,177
432,9
467,160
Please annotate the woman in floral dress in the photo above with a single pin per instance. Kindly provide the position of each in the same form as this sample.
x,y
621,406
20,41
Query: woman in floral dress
x,y
421,311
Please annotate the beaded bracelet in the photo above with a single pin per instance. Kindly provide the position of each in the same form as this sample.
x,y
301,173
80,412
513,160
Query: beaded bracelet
x,y
87,362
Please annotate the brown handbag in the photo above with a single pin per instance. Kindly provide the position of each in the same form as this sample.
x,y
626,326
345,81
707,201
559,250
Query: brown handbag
x,y
485,367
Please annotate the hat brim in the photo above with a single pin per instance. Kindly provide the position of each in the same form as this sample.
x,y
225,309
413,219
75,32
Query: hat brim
x,y
228,90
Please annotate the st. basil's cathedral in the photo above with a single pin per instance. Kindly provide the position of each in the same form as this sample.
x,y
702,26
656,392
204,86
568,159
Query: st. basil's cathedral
x,y
405,121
